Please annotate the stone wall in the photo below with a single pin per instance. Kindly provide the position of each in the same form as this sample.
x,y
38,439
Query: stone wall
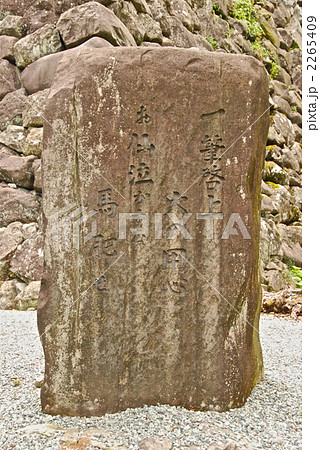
x,y
33,37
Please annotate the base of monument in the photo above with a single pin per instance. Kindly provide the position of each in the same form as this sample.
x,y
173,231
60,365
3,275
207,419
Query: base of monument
x,y
100,408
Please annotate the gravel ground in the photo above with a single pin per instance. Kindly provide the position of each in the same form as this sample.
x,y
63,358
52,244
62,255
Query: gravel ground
x,y
271,418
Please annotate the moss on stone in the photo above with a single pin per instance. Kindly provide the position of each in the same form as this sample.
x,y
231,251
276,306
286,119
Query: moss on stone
x,y
270,148
272,185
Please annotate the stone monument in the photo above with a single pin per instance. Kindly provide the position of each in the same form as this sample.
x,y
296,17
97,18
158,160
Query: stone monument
x,y
152,167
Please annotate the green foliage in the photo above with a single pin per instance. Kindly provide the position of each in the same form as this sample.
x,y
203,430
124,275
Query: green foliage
x,y
211,41
294,46
274,69
243,10
217,10
295,273
260,49
229,32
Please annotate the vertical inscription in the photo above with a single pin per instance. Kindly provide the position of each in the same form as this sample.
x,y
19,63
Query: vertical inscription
x,y
102,247
142,150
174,263
174,260
211,149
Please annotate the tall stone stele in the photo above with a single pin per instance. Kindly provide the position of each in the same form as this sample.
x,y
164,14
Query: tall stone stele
x,y
169,142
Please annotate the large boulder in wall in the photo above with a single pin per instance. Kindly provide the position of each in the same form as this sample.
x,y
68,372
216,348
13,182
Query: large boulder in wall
x,y
80,23
152,167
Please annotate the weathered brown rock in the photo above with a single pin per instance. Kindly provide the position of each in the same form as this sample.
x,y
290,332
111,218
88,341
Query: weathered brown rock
x,y
184,12
39,75
129,16
281,130
37,184
13,137
179,35
17,205
11,107
42,42
96,42
33,143
291,237
8,294
17,169
34,109
141,26
139,320
10,237
141,6
80,23
6,47
27,262
13,26
28,298
9,77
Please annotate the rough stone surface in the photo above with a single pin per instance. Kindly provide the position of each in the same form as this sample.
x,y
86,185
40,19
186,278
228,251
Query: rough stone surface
x,y
10,237
42,42
8,294
179,36
139,326
39,75
270,244
275,279
183,11
33,142
28,298
292,241
6,47
129,16
13,137
96,42
9,77
17,169
281,130
11,107
92,19
37,183
34,109
17,205
27,262
13,26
